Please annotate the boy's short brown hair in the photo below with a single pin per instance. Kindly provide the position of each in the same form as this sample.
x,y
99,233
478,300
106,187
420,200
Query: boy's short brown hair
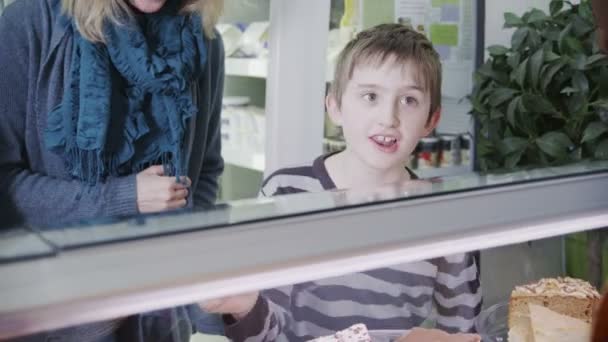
x,y
379,43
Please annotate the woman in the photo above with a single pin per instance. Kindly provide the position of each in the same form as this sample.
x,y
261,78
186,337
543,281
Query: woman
x,y
108,108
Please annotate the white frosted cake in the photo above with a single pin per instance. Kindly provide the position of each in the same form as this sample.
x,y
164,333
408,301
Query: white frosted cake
x,y
356,333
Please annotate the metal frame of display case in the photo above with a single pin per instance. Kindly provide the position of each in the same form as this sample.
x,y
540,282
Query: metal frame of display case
x,y
108,281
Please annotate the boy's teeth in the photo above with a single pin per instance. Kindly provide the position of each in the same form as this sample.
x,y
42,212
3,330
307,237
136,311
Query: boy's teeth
x,y
383,139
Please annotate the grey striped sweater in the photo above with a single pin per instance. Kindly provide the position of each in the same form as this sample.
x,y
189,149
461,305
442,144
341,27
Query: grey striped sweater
x,y
445,289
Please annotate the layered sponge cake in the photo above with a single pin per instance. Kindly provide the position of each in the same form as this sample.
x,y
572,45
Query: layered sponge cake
x,y
551,307
568,296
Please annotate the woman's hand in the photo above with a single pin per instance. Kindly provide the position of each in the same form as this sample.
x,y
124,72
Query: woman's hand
x,y
237,306
157,192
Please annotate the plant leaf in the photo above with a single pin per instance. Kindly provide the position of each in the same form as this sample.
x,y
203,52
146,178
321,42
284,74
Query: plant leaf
x,y
501,95
580,82
551,56
537,104
555,6
562,38
519,37
536,61
536,15
513,60
575,103
491,73
569,90
574,45
513,144
512,20
555,144
534,40
580,27
519,75
484,93
596,60
579,62
594,130
525,120
585,11
514,158
601,151
548,76
497,50
512,110
601,103
495,114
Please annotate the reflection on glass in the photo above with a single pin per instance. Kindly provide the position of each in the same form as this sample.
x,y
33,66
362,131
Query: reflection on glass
x,y
20,244
506,138
251,210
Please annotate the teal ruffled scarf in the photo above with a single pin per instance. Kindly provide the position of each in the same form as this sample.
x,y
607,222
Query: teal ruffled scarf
x,y
128,102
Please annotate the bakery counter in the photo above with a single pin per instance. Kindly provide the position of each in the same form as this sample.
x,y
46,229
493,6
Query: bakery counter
x,y
171,261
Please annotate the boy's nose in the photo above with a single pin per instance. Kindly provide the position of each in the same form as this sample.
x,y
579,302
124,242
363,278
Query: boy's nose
x,y
389,117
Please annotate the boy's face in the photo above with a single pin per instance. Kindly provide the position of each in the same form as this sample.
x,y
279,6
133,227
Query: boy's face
x,y
384,114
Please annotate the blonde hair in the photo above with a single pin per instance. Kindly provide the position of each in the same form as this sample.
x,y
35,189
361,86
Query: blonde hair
x,y
402,44
90,15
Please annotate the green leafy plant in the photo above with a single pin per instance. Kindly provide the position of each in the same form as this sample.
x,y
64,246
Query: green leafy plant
x,y
544,100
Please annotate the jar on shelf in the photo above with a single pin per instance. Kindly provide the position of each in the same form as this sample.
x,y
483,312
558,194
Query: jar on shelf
x,y
450,151
428,157
465,149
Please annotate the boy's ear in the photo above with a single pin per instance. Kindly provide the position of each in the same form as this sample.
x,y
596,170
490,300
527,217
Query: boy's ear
x,y
333,109
433,122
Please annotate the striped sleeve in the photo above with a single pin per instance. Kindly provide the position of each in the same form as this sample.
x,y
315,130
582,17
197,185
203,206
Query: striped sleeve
x,y
457,295
290,181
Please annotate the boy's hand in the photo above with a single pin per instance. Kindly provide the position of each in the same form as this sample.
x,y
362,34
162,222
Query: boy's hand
x,y
426,335
237,306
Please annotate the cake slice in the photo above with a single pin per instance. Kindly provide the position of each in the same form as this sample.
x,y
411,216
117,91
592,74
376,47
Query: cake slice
x,y
550,326
521,330
356,333
567,296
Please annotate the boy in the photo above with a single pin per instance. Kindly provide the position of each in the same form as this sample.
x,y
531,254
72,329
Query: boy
x,y
386,96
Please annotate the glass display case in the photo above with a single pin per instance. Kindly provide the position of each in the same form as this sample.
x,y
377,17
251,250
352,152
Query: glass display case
x,y
65,276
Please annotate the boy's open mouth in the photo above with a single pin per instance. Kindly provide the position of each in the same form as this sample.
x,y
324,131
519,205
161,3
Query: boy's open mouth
x,y
385,143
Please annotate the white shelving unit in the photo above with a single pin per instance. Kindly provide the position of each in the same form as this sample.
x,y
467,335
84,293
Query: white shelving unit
x,y
247,67
244,158
258,68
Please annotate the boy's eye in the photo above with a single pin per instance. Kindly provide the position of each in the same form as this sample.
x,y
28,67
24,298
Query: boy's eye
x,y
370,97
409,100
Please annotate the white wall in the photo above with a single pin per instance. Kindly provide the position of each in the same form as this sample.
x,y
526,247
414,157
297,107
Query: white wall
x,y
495,9
295,89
